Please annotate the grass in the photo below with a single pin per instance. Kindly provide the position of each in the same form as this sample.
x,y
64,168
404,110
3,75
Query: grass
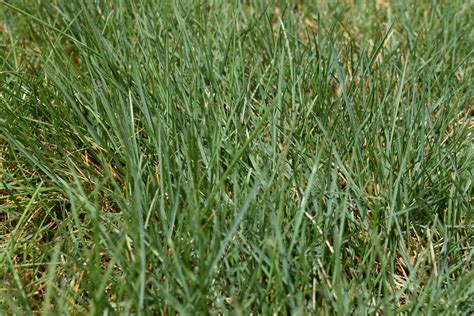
x,y
221,157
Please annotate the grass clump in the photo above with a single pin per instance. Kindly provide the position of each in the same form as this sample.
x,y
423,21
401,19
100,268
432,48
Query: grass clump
x,y
224,157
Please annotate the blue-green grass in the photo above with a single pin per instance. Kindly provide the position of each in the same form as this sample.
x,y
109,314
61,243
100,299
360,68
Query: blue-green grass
x,y
235,157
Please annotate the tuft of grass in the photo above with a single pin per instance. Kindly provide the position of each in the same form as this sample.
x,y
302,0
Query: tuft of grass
x,y
227,157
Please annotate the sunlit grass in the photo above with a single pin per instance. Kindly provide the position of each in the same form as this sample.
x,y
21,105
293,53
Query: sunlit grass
x,y
217,157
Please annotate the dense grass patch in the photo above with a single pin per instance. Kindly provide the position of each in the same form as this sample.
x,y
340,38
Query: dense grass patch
x,y
233,157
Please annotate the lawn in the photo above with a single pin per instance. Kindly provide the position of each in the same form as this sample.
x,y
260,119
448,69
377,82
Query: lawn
x,y
234,157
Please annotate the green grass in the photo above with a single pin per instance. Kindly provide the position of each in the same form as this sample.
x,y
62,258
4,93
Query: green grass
x,y
228,157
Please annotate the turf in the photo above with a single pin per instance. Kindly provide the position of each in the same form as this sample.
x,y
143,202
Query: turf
x,y
236,157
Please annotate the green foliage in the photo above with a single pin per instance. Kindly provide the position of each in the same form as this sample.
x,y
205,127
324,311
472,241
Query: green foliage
x,y
228,157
